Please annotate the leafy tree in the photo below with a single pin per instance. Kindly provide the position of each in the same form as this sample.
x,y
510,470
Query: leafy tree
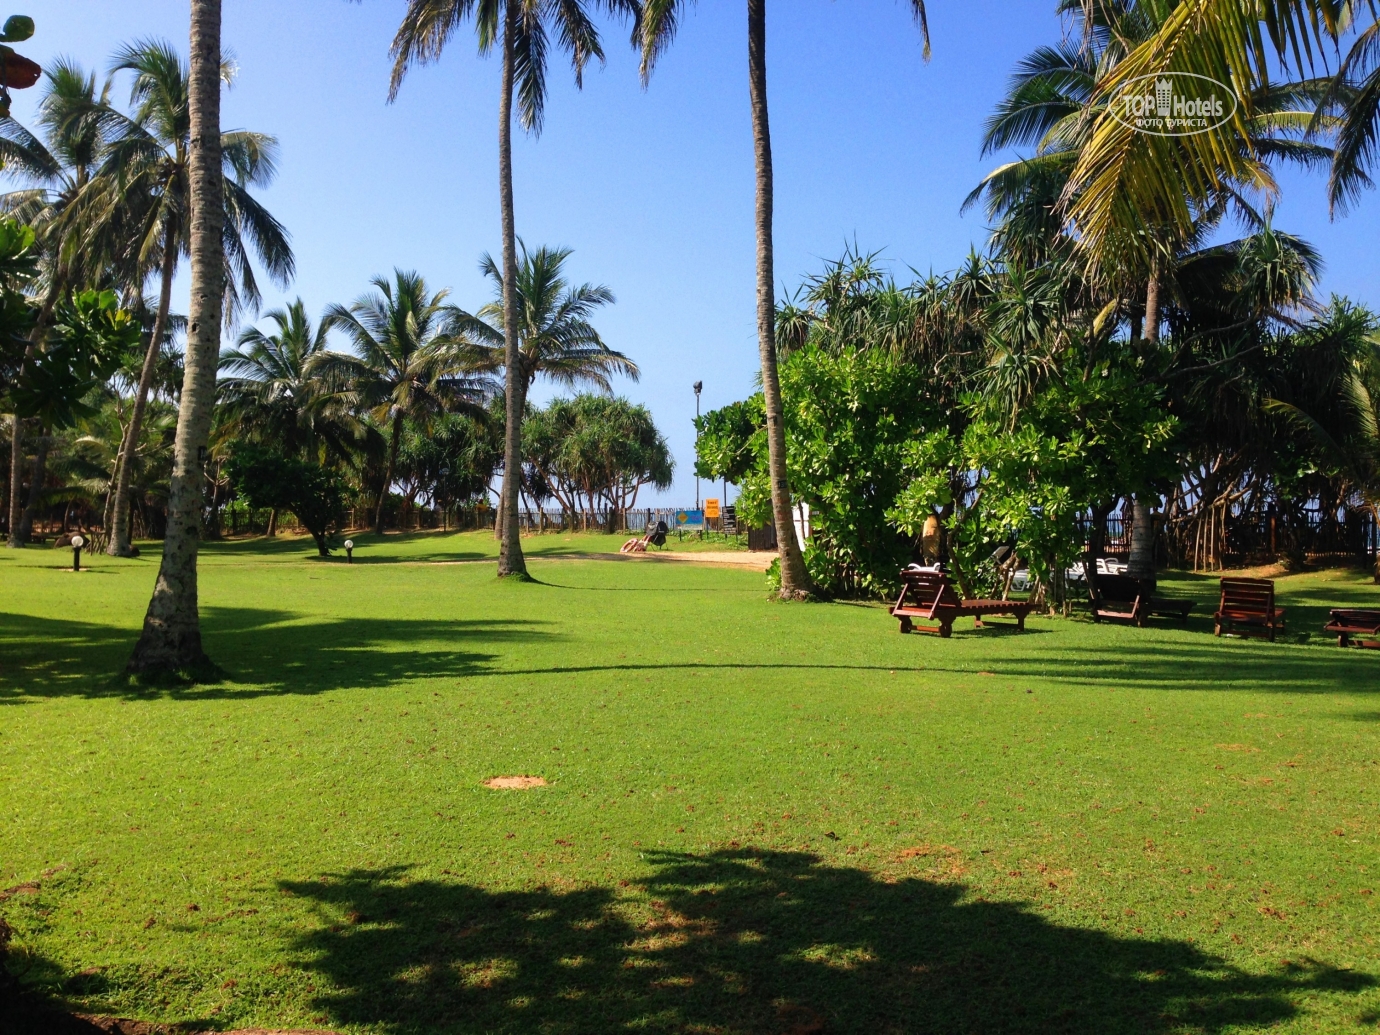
x,y
522,29
728,440
451,460
269,479
595,452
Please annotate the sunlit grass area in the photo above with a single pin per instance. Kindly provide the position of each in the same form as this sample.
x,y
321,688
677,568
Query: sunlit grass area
x,y
759,817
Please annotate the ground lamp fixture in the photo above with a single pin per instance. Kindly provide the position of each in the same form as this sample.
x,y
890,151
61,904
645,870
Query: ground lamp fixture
x,y
77,543
349,551
698,386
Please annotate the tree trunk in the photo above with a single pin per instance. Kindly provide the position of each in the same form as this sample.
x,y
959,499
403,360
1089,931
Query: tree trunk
x,y
16,511
795,582
26,520
393,441
36,336
510,559
1141,564
171,639
119,514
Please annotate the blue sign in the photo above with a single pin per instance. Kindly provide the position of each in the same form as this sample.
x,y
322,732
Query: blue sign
x,y
689,518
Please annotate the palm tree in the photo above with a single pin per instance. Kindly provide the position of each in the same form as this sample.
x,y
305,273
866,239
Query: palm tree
x,y
522,29
150,156
660,19
57,171
171,638
554,336
270,391
409,365
1124,176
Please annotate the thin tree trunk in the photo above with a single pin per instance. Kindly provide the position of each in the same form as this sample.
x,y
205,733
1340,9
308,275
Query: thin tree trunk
x,y
795,583
26,520
16,510
510,559
1141,564
119,545
171,639
394,439
36,336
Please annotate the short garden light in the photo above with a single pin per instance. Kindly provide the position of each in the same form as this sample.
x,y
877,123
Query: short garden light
x,y
77,543
349,551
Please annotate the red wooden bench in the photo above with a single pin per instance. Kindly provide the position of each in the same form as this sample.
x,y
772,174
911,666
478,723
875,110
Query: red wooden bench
x,y
1248,607
1123,598
1362,623
927,595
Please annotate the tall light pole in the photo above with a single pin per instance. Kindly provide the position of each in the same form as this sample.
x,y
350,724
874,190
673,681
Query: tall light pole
x,y
698,386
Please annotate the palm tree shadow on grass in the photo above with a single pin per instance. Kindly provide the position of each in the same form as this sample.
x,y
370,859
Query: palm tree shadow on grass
x,y
750,941
262,651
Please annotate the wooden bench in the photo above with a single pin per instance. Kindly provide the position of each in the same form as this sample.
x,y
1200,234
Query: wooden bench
x,y
1362,623
1248,607
1123,598
927,595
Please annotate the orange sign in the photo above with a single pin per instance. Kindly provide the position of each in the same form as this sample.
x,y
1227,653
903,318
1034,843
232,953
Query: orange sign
x,y
711,508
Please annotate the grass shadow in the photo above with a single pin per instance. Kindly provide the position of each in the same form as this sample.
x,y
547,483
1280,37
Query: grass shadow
x,y
760,942
273,651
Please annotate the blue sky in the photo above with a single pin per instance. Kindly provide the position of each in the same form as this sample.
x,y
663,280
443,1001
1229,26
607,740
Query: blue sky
x,y
652,188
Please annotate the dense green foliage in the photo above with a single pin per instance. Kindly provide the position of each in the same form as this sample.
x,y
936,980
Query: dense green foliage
x,y
268,479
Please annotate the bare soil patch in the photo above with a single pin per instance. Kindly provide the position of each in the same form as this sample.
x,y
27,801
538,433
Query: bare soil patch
x,y
514,783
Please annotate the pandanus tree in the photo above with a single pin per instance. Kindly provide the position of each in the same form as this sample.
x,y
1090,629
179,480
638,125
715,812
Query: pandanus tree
x,y
270,390
555,337
170,642
522,29
149,160
660,19
1057,103
408,363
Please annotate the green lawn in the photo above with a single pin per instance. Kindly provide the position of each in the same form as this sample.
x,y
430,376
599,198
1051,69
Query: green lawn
x,y
761,818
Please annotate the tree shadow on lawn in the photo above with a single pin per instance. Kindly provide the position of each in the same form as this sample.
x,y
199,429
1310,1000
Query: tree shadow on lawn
x,y
272,651
761,942
1200,664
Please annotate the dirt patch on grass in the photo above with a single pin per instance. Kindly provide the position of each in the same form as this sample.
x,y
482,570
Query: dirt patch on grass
x,y
514,783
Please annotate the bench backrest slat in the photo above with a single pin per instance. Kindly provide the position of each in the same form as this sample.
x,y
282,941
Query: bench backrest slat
x,y
1252,596
928,589
1116,589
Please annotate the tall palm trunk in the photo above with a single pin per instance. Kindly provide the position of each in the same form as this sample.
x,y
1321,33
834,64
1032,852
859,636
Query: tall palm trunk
x,y
794,580
171,639
510,559
394,438
17,536
117,505
1141,564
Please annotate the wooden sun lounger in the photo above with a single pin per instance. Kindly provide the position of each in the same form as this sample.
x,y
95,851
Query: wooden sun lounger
x,y
927,596
1248,608
1361,623
1123,598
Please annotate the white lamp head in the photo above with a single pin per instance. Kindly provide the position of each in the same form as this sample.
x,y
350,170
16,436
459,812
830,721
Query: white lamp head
x,y
349,544
78,541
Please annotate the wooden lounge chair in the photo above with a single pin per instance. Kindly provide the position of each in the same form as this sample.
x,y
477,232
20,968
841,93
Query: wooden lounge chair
x,y
1362,623
1248,607
927,595
1123,598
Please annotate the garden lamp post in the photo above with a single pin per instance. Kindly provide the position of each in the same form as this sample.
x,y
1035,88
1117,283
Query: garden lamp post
x,y
77,543
349,551
698,386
